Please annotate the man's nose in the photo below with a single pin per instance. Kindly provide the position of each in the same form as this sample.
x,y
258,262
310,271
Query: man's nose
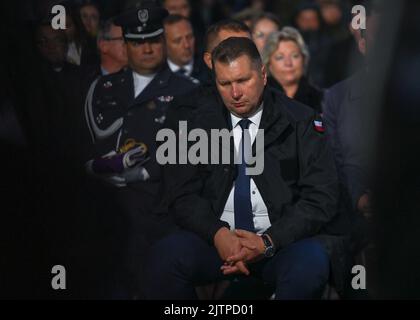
x,y
186,44
147,48
236,92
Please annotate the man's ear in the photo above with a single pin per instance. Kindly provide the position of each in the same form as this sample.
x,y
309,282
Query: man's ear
x,y
207,59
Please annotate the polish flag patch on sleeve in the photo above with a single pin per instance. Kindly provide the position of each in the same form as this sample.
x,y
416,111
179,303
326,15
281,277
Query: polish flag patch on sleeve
x,y
319,126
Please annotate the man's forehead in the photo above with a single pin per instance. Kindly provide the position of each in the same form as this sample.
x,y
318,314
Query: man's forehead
x,y
233,68
179,26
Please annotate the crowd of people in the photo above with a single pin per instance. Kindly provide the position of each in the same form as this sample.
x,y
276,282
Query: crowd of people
x,y
95,96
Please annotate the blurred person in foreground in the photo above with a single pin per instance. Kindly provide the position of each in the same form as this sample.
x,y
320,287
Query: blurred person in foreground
x,y
350,125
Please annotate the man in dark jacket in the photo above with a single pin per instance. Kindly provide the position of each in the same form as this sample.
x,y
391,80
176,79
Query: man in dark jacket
x,y
350,127
270,225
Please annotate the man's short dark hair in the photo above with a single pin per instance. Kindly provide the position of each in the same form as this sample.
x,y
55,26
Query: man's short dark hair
x,y
175,18
104,29
228,24
232,48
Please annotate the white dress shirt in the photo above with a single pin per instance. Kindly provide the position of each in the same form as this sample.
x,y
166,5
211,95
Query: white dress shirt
x,y
259,209
141,82
188,67
74,54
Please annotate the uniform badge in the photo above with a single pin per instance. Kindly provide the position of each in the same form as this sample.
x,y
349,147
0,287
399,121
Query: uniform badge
x,y
160,120
319,126
165,98
107,84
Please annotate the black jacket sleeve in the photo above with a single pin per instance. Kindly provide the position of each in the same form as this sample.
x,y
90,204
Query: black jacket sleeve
x,y
318,189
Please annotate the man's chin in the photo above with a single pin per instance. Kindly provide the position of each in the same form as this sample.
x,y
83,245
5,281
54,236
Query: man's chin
x,y
240,112
186,61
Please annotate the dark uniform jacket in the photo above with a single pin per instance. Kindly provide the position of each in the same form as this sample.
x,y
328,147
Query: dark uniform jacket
x,y
298,184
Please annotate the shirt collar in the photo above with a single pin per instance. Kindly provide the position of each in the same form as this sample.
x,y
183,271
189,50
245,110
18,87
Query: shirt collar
x,y
255,118
141,82
188,67
141,77
104,72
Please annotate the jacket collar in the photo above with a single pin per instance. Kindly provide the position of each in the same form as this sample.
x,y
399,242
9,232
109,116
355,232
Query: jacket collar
x,y
274,120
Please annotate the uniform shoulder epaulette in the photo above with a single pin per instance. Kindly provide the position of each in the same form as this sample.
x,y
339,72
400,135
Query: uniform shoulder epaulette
x,y
109,82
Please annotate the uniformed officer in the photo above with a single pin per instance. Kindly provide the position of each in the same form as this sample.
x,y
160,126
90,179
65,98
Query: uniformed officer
x,y
124,111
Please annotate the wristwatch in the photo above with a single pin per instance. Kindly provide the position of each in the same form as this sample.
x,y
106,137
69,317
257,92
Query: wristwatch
x,y
269,248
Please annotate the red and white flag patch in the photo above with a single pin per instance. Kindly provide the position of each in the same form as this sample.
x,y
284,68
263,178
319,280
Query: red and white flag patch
x,y
319,126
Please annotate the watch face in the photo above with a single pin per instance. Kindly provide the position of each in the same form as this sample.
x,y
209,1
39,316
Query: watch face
x,y
269,252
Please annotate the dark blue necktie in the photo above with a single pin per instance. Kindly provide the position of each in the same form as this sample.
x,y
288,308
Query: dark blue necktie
x,y
242,197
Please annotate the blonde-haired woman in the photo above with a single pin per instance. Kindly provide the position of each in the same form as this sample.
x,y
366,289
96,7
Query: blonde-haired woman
x,y
286,58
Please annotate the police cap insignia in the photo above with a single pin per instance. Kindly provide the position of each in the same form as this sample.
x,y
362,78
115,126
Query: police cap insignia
x,y
143,22
143,16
